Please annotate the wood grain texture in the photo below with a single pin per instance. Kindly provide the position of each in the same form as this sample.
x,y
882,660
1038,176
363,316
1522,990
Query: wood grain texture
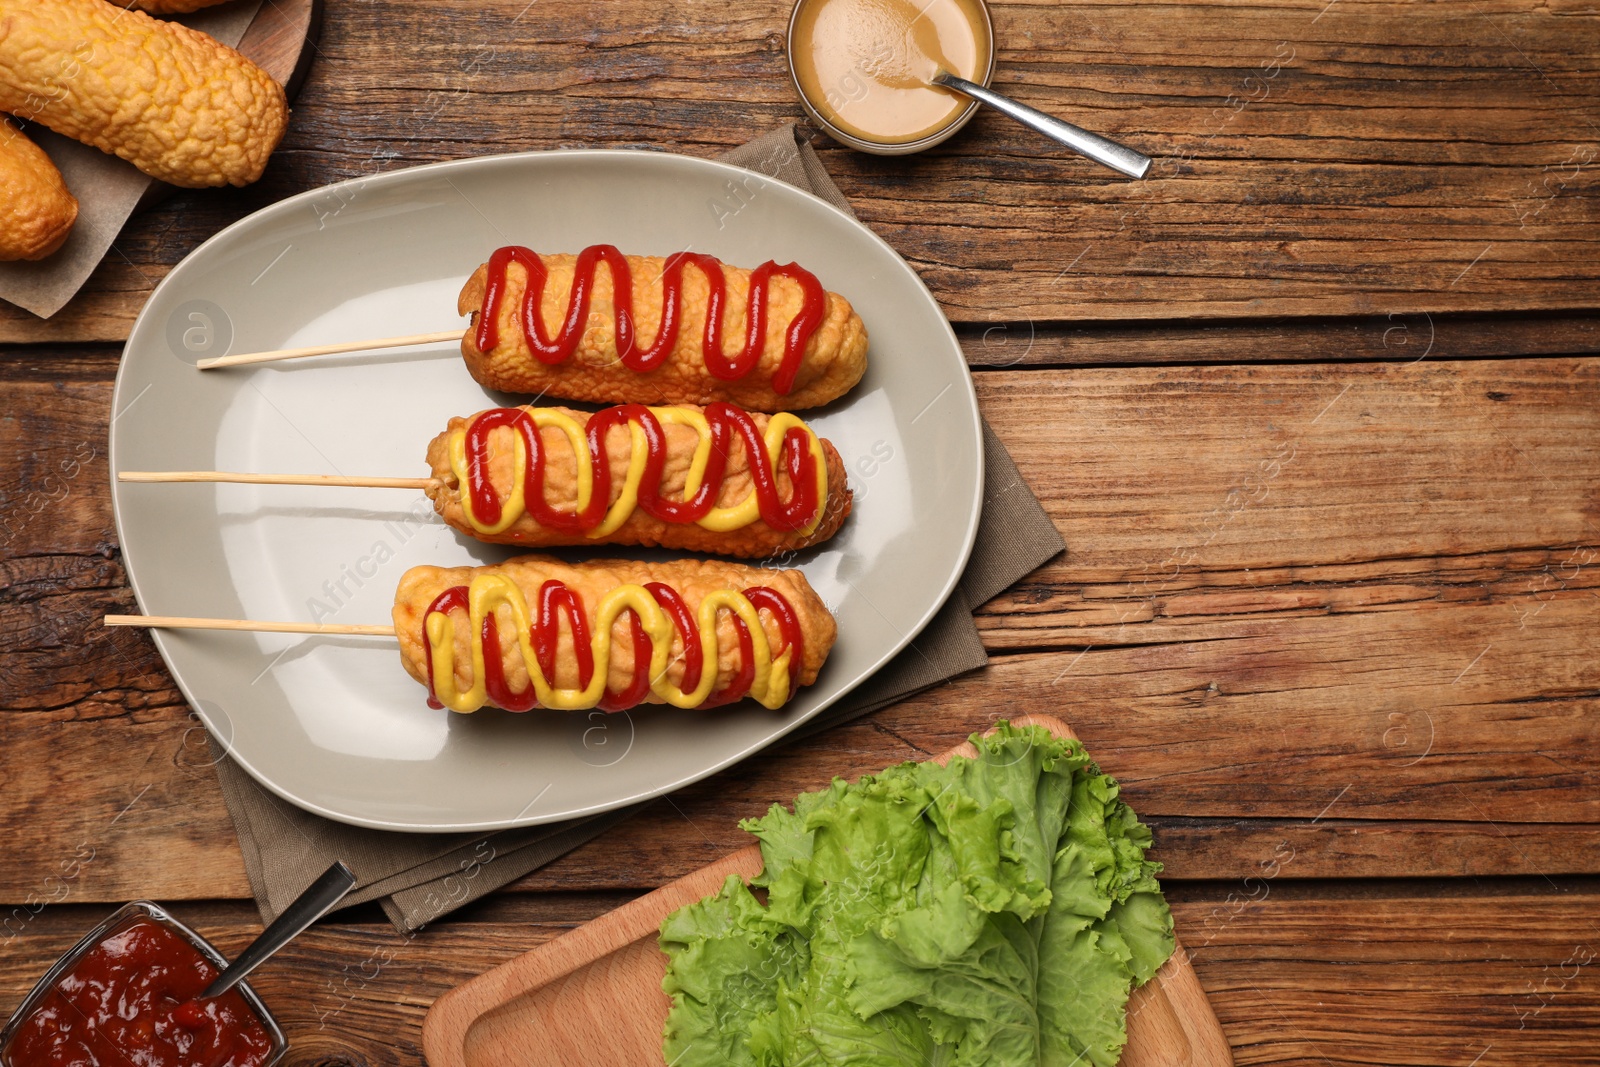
x,y
1393,974
282,40
1364,157
1376,626
1176,471
1331,623
1392,338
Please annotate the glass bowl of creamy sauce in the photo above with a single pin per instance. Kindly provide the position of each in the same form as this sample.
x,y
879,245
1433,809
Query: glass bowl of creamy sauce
x,y
863,68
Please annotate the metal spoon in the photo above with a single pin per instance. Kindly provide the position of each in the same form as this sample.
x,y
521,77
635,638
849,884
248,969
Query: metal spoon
x,y
318,899
1100,149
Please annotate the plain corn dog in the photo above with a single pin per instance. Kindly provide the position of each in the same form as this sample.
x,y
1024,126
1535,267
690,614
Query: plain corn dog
x,y
173,102
173,7
36,210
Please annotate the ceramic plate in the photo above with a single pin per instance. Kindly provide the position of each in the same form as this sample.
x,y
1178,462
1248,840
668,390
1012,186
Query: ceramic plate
x,y
335,725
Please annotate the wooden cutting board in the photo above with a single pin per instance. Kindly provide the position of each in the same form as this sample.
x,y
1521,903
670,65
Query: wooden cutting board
x,y
594,995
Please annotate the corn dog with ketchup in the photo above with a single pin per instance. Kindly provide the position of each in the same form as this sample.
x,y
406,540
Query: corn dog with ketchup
x,y
538,632
713,479
605,327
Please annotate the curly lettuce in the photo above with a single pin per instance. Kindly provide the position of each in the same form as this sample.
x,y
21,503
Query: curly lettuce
x,y
995,910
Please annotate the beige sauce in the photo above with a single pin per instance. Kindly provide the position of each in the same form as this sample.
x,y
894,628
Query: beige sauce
x,y
866,64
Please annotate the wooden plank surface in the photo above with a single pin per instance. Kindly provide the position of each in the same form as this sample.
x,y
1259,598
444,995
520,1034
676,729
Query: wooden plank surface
x,y
1392,973
1394,337
1327,611
1365,657
1360,157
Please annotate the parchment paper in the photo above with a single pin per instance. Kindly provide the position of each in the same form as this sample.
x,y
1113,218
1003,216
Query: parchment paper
x,y
108,190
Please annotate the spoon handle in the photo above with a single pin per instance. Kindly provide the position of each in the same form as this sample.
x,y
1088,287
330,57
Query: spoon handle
x,y
318,899
1100,149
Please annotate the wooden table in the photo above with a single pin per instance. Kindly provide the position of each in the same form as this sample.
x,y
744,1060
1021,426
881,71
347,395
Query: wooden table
x,y
1316,405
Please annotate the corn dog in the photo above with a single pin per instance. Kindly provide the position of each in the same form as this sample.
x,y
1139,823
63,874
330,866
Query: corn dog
x,y
36,210
537,632
171,7
169,100
610,328
710,479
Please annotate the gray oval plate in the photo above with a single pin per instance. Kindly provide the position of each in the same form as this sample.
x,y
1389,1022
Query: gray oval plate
x,y
333,724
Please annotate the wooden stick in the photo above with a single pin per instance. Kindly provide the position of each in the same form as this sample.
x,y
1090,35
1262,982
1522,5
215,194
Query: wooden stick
x,y
180,622
276,479
331,350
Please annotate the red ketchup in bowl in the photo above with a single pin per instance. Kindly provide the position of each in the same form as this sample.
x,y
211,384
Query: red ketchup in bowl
x,y
132,1000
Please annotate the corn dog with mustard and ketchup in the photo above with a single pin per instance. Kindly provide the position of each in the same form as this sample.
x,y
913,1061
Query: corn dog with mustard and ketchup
x,y
714,479
538,632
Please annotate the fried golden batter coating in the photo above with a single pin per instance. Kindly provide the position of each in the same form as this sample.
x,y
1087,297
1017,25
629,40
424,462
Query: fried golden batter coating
x,y
835,357
561,492
170,7
693,579
173,102
36,210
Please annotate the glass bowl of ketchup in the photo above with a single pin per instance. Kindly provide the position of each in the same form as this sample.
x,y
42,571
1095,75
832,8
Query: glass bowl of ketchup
x,y
863,68
127,995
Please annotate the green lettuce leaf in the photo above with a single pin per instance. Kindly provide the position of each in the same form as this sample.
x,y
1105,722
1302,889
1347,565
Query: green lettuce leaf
x,y
847,856
997,910
1107,931
728,960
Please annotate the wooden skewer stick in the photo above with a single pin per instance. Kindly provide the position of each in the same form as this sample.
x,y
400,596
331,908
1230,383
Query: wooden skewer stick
x,y
181,622
331,350
276,479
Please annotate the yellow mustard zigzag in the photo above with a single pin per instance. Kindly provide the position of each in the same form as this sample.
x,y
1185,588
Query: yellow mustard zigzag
x,y
770,685
734,517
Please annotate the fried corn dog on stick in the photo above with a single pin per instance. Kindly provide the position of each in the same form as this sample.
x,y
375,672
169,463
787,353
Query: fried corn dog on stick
x,y
173,102
715,479
36,210
610,328
537,632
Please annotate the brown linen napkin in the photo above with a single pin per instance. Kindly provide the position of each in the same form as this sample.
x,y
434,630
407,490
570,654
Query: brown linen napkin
x,y
419,877
108,190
